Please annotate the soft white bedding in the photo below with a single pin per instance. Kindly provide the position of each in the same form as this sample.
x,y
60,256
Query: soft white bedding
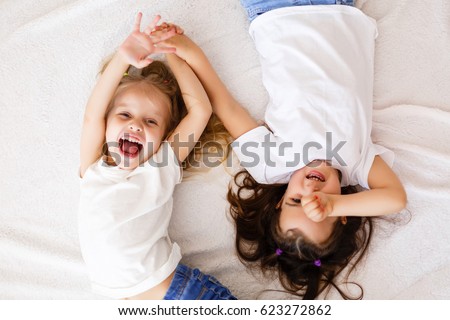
x,y
51,52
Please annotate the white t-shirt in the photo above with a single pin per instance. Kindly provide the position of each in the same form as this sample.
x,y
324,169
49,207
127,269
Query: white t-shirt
x,y
123,221
317,66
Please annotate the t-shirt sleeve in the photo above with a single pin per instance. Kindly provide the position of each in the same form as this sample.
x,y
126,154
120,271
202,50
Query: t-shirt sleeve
x,y
250,153
373,150
260,153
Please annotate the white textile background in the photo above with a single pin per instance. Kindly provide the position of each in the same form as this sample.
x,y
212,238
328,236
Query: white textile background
x,y
51,52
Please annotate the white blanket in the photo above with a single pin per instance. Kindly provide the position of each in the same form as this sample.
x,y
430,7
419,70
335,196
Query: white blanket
x,y
51,52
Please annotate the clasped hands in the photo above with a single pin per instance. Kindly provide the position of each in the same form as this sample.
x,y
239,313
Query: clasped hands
x,y
139,45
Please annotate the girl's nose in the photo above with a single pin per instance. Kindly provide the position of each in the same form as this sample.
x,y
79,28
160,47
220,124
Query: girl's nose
x,y
135,127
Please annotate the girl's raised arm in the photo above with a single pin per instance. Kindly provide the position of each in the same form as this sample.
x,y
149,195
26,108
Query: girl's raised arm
x,y
189,130
94,126
135,51
235,118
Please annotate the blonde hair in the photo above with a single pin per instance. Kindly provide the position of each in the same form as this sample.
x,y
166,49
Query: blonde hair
x,y
215,139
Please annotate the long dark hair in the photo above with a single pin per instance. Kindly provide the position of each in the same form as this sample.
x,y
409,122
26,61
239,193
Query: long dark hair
x,y
304,268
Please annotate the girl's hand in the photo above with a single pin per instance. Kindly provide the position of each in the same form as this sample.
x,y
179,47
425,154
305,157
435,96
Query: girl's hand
x,y
139,45
167,26
317,206
180,42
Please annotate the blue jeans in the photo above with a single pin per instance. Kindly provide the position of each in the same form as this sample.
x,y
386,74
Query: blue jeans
x,y
256,7
192,284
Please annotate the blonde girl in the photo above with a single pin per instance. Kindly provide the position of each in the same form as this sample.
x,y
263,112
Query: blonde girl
x,y
146,124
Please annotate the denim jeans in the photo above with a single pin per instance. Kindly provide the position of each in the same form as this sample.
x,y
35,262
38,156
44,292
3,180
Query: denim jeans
x,y
192,284
255,8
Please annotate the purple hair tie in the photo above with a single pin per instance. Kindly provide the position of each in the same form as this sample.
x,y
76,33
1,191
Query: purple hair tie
x,y
278,252
317,263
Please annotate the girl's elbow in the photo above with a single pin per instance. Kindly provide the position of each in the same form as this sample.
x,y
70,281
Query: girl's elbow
x,y
207,112
207,109
401,200
203,114
201,109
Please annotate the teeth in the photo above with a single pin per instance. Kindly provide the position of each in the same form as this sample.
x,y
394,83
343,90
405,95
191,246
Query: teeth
x,y
132,140
314,177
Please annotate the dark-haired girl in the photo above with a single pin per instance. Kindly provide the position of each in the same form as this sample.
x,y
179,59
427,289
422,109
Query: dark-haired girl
x,y
294,206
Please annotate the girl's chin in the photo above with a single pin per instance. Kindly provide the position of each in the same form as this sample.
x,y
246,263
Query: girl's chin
x,y
129,163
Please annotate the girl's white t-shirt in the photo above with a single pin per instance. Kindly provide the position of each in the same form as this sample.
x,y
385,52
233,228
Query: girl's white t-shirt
x,y
123,222
317,67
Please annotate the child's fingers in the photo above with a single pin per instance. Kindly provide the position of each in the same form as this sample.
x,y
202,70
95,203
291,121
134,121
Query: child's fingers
x,y
317,216
152,24
145,42
308,199
314,209
149,31
177,28
148,43
311,206
137,22
159,37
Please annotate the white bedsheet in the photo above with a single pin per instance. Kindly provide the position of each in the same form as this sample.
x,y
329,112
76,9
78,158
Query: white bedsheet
x,y
51,52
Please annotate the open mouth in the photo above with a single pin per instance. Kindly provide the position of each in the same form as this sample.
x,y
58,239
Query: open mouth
x,y
130,147
316,176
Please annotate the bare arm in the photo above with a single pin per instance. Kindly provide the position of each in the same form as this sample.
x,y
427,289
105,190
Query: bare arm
x,y
134,50
235,118
386,194
93,132
187,133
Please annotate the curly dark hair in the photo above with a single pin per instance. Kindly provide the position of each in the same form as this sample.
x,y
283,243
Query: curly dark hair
x,y
253,207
